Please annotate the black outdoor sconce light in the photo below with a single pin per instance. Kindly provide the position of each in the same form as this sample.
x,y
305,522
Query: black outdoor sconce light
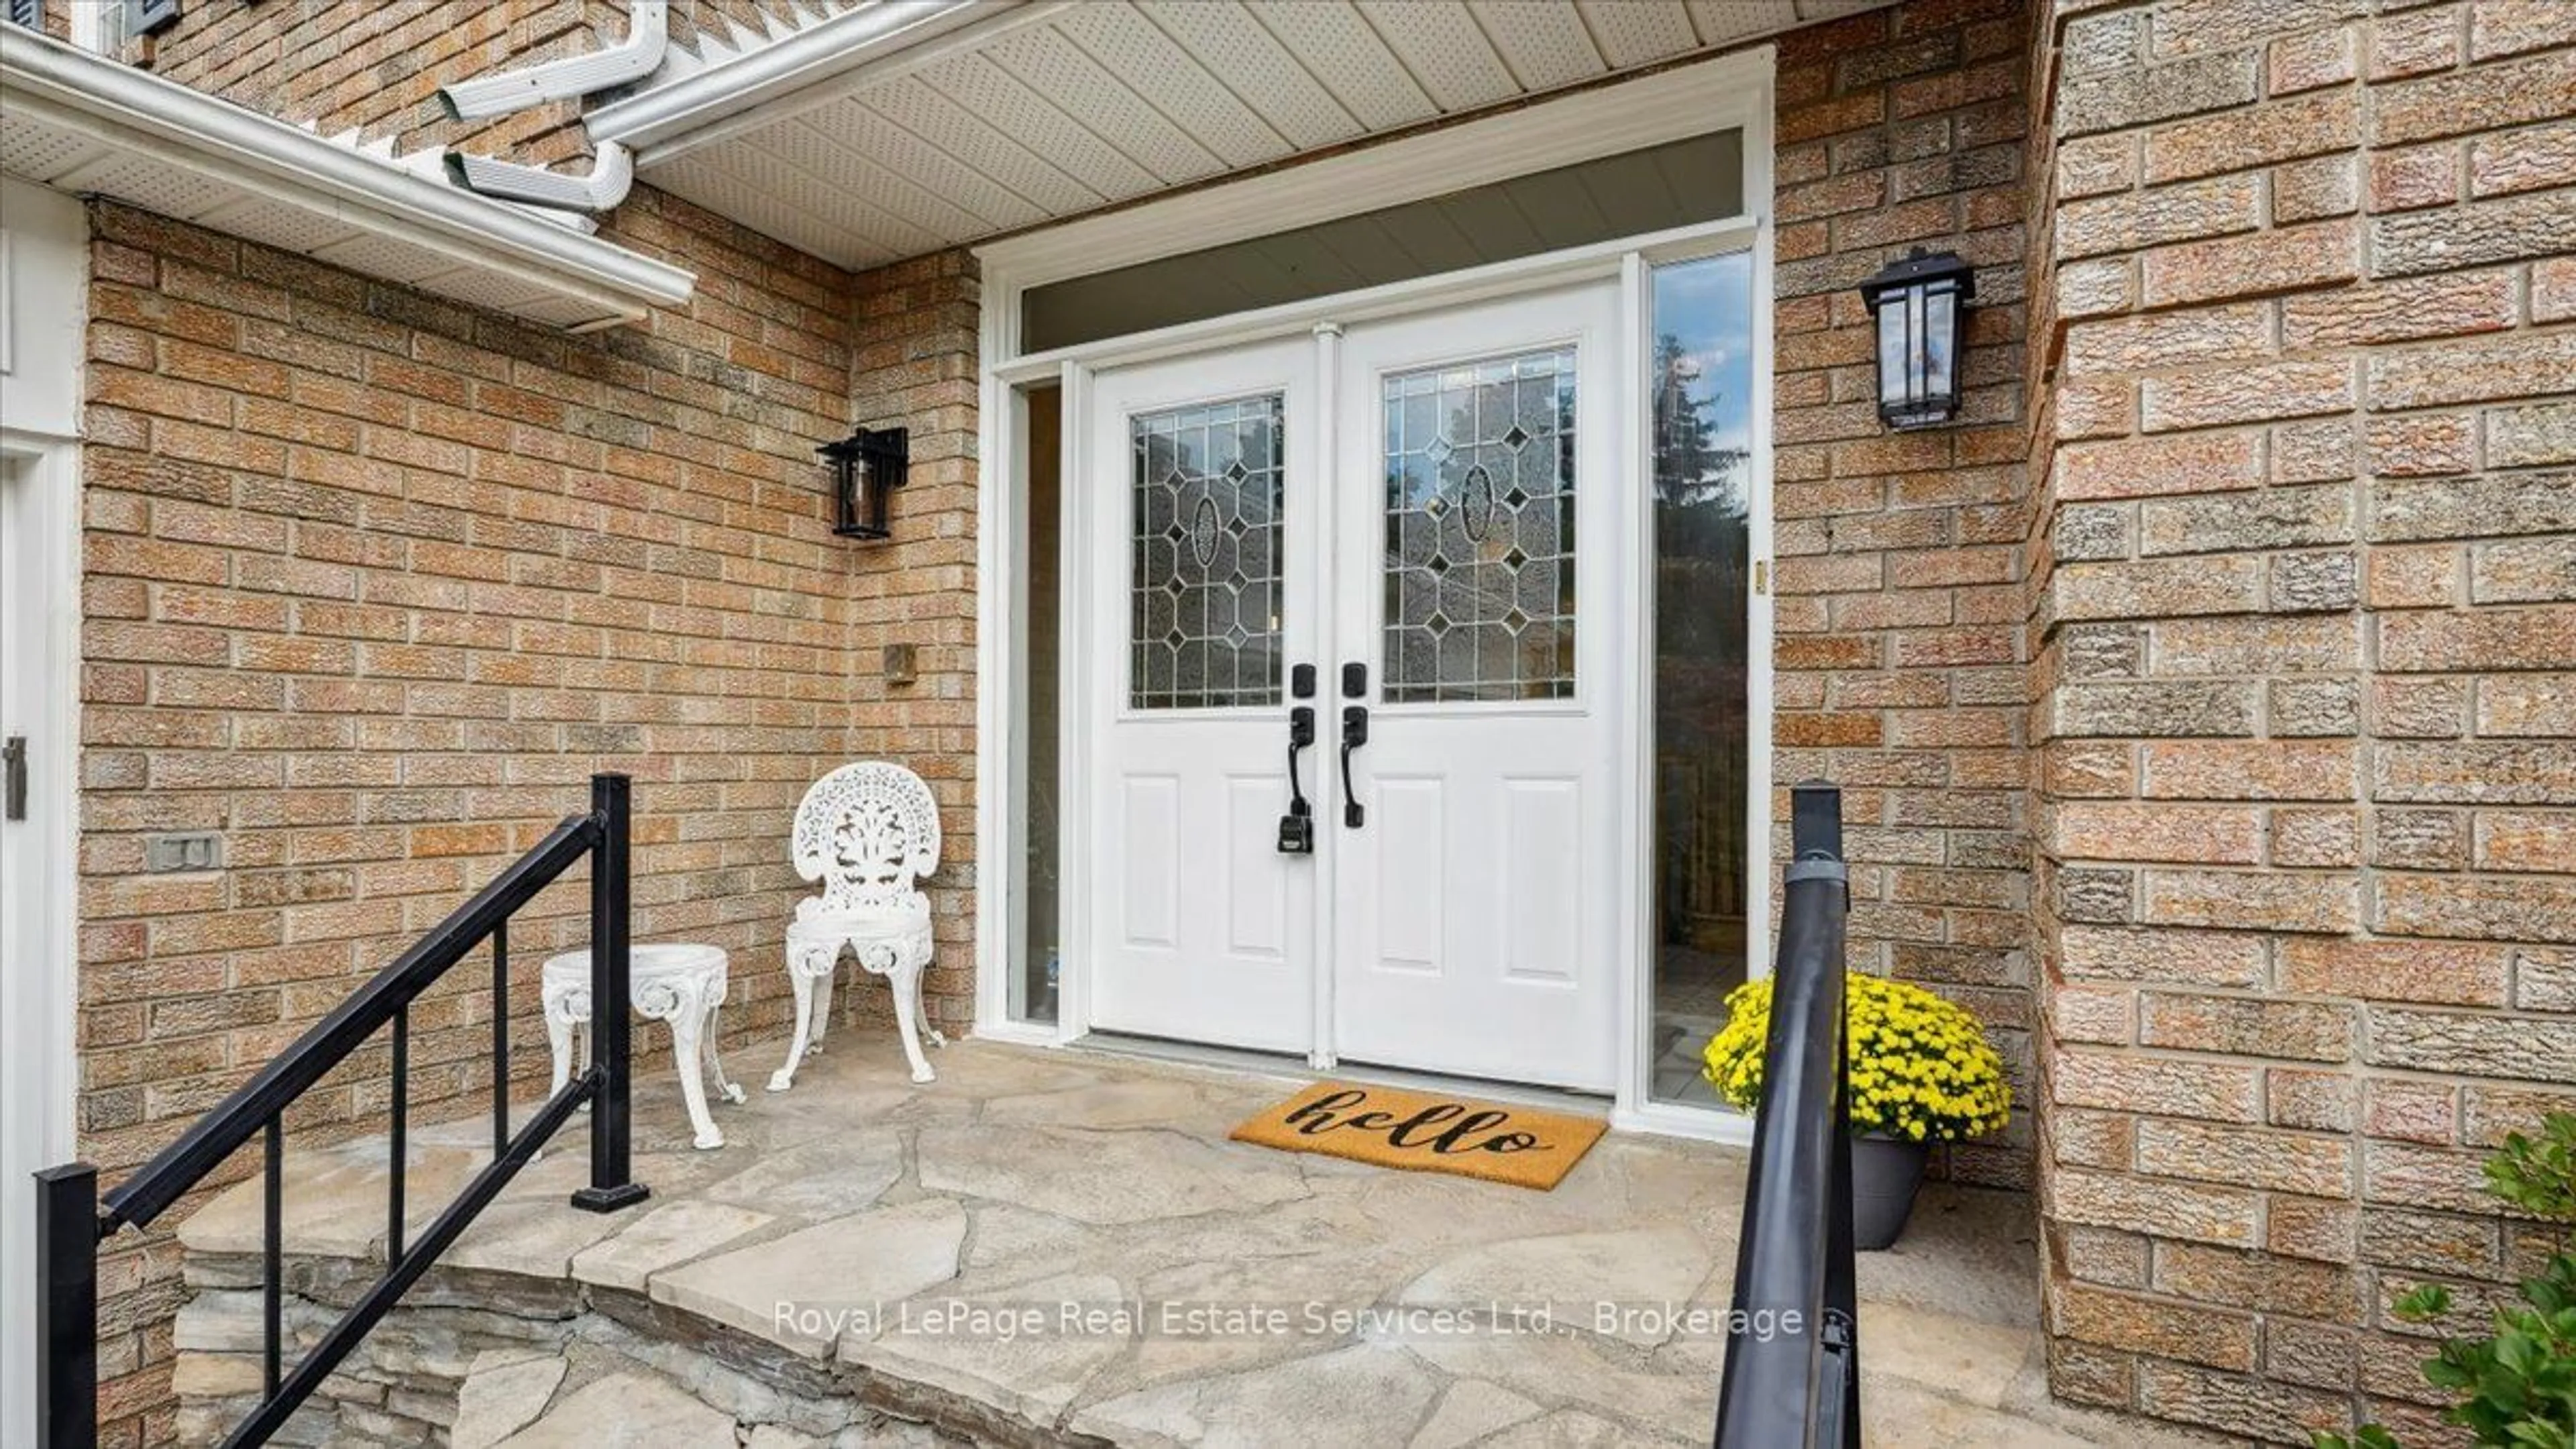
x,y
867,466
1916,304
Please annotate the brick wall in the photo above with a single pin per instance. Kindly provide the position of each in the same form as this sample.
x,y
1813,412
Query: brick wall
x,y
374,582
376,69
915,367
1898,648
2305,674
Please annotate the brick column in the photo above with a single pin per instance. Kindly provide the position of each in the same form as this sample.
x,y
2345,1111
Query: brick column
x,y
2306,561
915,368
1898,650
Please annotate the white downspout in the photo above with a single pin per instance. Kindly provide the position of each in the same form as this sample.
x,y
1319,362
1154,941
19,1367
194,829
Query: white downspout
x,y
648,35
610,177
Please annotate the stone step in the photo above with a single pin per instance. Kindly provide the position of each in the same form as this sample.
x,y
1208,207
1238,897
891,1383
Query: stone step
x,y
590,1400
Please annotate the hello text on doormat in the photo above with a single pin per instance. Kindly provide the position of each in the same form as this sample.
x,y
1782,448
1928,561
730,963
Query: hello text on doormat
x,y
1427,1132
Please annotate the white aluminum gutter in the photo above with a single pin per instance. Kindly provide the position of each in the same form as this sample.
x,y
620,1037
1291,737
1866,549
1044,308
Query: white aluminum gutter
x,y
804,70
138,113
648,34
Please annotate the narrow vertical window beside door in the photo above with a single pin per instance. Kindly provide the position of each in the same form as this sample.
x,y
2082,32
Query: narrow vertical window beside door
x,y
1205,590
1700,381
1480,530
1038,947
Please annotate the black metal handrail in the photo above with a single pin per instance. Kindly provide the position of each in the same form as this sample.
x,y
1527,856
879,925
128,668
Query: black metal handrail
x,y
1792,1375
72,1220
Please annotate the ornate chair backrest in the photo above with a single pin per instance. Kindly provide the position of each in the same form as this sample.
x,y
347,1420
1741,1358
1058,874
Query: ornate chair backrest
x,y
868,831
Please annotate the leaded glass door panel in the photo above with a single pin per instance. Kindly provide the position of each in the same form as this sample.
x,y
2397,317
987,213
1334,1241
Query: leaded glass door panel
x,y
1475,492
1205,520
1198,484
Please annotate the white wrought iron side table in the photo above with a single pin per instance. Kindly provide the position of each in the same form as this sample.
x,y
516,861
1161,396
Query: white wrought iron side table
x,y
680,984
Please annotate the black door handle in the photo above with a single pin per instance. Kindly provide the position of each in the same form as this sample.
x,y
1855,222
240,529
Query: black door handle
x,y
13,762
1297,827
1354,735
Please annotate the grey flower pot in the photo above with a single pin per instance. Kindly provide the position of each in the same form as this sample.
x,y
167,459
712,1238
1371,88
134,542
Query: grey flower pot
x,y
1886,1171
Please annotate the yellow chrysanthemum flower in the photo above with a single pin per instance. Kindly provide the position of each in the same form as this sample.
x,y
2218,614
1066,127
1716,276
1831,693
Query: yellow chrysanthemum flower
x,y
1919,1066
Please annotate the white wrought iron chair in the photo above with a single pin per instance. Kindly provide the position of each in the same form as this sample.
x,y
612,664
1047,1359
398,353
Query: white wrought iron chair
x,y
870,833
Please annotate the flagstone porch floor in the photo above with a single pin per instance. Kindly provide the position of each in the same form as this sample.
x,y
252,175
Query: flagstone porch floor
x,y
864,1240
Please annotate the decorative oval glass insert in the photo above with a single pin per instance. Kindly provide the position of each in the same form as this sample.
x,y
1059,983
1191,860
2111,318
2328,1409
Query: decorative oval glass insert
x,y
1476,502
1204,527
1481,608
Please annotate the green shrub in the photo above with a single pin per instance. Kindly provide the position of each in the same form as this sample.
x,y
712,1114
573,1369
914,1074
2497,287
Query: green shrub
x,y
2517,1387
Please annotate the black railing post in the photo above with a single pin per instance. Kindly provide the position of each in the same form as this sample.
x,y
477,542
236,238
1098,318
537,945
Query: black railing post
x,y
67,1306
272,1255
1792,1374
500,1039
612,1176
1816,835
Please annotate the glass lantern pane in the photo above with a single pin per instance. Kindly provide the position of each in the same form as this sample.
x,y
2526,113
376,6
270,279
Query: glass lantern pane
x,y
1914,339
1940,323
1891,352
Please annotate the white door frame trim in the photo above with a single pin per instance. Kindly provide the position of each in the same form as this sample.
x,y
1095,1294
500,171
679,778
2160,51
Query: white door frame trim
x,y
41,1004
1726,92
53,471
1323,1055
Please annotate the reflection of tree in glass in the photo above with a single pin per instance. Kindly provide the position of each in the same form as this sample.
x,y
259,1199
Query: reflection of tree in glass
x,y
1690,467
1702,545
1700,524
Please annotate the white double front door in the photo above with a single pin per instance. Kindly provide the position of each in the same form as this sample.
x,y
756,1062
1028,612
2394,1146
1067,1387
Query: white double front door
x,y
1420,520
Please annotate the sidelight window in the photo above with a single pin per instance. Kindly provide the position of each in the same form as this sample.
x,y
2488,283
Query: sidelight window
x,y
1700,389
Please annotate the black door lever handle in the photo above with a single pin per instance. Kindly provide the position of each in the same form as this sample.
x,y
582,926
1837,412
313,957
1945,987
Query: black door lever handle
x,y
13,761
1297,827
1355,722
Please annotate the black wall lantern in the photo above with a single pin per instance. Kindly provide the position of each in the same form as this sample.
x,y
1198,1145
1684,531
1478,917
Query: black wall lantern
x,y
1916,304
867,466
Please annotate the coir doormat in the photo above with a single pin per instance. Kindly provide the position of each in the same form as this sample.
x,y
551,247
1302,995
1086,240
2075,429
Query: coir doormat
x,y
1427,1132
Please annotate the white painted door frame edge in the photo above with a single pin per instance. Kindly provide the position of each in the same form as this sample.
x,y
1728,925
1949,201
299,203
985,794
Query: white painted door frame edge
x,y
52,471
39,998
1726,92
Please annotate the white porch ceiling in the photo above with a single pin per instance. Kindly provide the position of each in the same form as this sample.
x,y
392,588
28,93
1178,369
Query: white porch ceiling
x,y
1041,111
